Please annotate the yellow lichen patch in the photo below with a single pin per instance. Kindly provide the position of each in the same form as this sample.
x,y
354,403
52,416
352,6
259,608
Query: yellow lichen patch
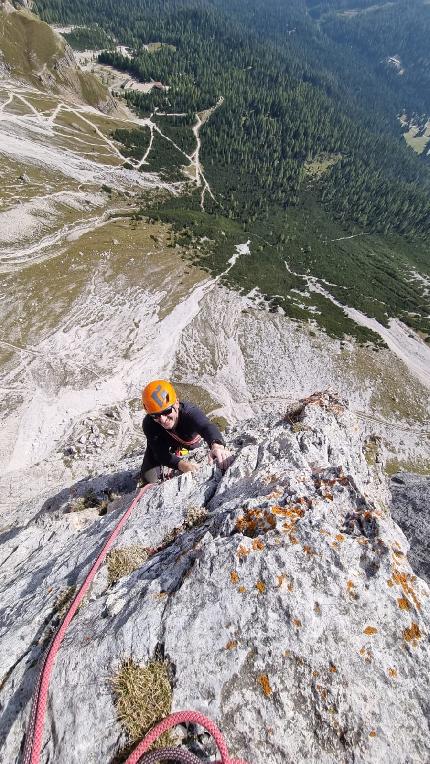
x,y
340,537
265,684
370,630
234,577
242,589
372,733
315,674
398,553
412,633
242,551
390,583
403,603
260,586
231,644
257,544
392,672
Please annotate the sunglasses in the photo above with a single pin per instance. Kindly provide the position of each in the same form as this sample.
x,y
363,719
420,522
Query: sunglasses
x,y
162,413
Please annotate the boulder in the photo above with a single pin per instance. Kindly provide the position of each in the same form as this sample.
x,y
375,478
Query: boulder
x,y
288,612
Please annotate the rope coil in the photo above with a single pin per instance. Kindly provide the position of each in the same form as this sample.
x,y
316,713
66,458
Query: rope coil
x,y
181,717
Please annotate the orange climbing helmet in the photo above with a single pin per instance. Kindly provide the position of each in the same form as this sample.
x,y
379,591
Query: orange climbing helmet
x,y
158,395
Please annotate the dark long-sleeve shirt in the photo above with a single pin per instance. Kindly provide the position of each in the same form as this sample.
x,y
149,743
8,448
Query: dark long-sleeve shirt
x,y
191,422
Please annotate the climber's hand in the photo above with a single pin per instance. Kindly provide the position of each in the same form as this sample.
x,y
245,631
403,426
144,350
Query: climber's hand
x,y
221,456
185,466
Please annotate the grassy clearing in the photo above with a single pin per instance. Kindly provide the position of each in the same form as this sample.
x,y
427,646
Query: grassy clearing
x,y
143,697
320,164
124,561
417,140
153,47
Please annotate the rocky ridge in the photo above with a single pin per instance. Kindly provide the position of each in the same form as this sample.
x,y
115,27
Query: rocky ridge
x,y
280,593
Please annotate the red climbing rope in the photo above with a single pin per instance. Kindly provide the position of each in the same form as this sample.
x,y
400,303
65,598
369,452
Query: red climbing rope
x,y
176,755
34,736
182,717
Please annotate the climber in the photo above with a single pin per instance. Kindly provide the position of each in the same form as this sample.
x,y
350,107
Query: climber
x,y
172,428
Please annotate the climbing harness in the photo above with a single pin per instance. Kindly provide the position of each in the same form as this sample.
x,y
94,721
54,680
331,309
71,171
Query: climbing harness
x,y
193,442
34,735
177,755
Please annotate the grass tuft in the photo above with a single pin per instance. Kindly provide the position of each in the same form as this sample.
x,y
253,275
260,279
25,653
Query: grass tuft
x,y
121,562
143,697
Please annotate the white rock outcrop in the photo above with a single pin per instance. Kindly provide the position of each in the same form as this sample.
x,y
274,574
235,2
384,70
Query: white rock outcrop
x,y
291,615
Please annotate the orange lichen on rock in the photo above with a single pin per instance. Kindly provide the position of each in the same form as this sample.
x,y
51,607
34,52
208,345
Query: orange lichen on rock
x,y
275,494
390,582
258,544
260,586
315,674
370,630
392,672
403,603
340,537
412,633
265,684
332,668
234,577
280,580
242,589
297,622
350,585
243,551
372,733
308,549
231,644
293,511
254,521
322,691
406,581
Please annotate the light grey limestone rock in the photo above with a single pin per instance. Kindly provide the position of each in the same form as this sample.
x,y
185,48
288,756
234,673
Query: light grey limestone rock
x,y
411,510
291,614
